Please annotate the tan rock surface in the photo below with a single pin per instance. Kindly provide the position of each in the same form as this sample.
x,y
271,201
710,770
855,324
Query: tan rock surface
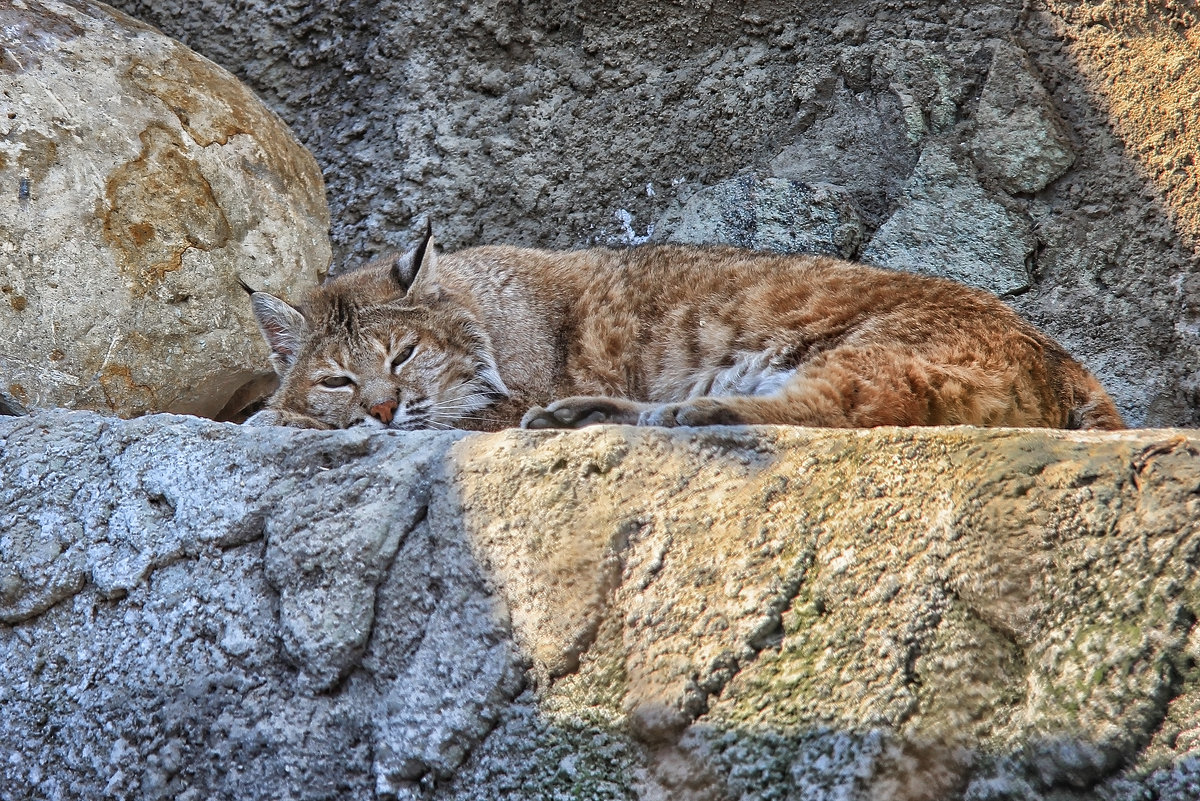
x,y
140,182
976,595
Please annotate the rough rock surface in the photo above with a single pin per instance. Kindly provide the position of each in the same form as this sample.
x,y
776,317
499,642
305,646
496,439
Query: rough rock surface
x,y
197,610
768,214
558,123
950,225
139,181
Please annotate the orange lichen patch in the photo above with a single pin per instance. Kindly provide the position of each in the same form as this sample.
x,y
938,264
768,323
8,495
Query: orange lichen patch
x,y
1145,69
158,206
18,392
141,233
18,302
213,106
57,355
125,395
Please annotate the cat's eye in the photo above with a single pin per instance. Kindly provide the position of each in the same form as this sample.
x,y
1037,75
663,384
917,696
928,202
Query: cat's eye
x,y
336,381
403,356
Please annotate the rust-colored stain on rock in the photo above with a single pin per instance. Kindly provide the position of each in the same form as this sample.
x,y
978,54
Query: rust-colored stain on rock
x,y
213,106
18,302
158,206
141,233
121,392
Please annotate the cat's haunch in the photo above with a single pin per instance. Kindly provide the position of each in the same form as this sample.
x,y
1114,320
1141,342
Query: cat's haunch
x,y
668,335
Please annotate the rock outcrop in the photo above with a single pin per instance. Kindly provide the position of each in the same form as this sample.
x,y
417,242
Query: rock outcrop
x,y
1044,150
197,610
141,182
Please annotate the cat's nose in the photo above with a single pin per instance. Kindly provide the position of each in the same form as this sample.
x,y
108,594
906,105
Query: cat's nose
x,y
384,411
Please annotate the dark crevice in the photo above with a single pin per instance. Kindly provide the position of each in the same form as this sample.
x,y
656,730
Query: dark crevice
x,y
768,635
355,664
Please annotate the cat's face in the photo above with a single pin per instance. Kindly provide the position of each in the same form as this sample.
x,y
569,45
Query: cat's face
x,y
375,348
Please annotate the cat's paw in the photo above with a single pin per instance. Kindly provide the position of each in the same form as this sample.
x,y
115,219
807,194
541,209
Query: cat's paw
x,y
583,411
698,412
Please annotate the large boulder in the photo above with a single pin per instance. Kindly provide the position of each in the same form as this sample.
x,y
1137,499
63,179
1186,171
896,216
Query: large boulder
x,y
196,610
144,181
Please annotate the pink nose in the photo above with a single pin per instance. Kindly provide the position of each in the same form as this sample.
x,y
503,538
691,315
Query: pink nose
x,y
384,411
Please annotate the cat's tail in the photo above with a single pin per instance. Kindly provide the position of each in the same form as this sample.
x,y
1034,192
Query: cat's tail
x,y
1093,408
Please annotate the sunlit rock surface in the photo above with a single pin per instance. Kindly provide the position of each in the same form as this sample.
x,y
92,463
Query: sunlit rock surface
x,y
198,610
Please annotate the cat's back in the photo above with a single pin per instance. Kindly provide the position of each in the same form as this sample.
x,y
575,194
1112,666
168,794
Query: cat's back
x,y
659,275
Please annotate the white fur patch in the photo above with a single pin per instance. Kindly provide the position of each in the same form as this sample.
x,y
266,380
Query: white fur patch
x,y
750,374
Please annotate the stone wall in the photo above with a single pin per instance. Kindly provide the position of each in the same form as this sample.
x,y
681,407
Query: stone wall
x,y
200,611
1042,150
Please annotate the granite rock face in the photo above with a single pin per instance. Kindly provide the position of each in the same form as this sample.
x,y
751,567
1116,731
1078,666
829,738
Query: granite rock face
x,y
140,181
197,610
558,124
1019,140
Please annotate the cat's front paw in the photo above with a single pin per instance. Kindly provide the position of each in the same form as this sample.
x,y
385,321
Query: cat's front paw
x,y
698,412
582,411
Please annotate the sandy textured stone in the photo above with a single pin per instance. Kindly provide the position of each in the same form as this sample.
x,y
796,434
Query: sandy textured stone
x,y
949,225
199,610
141,181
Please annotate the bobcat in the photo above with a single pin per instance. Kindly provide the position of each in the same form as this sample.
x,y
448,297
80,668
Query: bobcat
x,y
660,335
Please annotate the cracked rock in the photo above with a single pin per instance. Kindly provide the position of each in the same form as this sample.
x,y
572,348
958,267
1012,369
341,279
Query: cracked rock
x,y
194,609
1019,139
140,182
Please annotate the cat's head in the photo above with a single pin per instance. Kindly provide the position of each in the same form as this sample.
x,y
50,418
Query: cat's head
x,y
382,346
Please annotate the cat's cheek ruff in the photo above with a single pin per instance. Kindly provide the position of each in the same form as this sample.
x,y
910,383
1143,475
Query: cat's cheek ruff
x,y
489,374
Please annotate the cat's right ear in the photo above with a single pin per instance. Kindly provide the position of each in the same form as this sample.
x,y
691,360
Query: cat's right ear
x,y
406,268
282,326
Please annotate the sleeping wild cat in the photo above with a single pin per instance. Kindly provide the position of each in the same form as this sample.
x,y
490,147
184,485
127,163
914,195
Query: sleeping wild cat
x,y
491,337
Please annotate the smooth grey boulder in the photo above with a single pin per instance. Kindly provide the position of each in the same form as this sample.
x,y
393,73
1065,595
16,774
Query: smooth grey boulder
x,y
141,181
199,610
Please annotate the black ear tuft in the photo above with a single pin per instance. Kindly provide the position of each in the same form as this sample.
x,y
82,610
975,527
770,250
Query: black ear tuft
x,y
405,268
249,290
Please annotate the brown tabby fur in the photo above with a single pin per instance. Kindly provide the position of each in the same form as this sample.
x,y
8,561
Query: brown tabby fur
x,y
662,335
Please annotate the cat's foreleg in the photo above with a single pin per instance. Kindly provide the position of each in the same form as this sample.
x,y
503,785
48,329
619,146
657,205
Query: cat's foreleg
x,y
585,411
579,412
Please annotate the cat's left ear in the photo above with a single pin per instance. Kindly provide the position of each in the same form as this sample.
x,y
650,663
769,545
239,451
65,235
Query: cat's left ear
x,y
418,263
282,326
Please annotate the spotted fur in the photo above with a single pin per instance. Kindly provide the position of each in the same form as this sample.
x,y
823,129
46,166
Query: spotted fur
x,y
665,335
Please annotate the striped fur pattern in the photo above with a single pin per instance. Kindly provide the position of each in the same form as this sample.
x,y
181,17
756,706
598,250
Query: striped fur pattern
x,y
662,335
